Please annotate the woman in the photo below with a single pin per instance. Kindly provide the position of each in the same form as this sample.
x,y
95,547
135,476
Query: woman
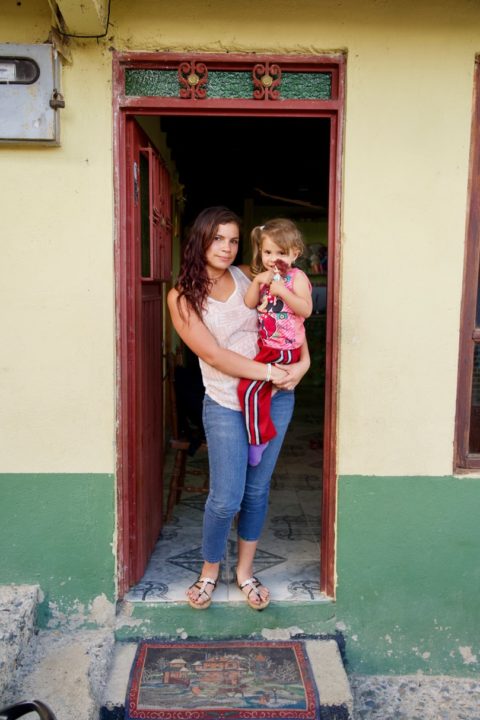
x,y
209,314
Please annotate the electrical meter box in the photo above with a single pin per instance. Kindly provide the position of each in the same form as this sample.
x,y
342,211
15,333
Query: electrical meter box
x,y
30,97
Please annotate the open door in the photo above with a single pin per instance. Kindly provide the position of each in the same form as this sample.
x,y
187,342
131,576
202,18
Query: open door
x,y
146,266
261,88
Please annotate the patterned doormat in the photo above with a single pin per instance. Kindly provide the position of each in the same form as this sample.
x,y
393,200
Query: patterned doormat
x,y
216,680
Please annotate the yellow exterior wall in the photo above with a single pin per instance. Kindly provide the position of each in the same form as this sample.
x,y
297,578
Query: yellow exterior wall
x,y
406,177
56,278
407,131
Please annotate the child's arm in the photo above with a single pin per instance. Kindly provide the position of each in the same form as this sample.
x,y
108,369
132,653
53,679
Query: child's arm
x,y
252,296
300,300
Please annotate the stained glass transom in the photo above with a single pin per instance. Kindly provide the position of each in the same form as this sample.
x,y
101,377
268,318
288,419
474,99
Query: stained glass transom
x,y
229,84
306,86
161,83
223,84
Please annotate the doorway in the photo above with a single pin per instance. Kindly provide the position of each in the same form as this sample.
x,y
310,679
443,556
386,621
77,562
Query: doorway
x,y
262,165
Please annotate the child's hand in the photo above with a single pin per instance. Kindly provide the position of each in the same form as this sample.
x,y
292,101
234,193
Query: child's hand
x,y
264,278
277,288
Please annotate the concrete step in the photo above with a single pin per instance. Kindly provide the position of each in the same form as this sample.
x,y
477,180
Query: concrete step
x,y
82,674
223,620
65,668
18,606
325,659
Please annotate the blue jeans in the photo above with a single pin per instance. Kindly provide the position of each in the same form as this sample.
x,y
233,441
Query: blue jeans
x,y
235,486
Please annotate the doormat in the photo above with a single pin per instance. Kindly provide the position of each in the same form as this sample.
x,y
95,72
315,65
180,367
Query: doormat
x,y
222,680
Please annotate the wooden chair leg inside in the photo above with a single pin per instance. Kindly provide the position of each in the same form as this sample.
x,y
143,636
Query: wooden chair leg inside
x,y
176,483
181,445
181,474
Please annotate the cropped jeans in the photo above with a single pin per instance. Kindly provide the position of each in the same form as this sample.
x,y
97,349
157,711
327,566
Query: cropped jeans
x,y
235,486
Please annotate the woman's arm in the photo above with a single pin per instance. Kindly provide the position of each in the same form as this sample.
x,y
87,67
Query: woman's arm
x,y
294,373
199,339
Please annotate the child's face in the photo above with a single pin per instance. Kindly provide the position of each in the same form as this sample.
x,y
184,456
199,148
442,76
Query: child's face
x,y
271,252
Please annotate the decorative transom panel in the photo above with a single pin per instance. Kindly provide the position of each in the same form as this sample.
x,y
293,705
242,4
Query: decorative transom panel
x,y
192,79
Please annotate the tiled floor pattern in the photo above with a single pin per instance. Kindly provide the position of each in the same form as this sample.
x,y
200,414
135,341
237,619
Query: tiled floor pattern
x,y
288,556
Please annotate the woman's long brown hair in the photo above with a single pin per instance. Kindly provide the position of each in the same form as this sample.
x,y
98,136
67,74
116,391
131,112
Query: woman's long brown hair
x,y
193,282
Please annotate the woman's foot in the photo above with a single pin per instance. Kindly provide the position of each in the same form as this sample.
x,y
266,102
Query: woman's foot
x,y
200,593
258,596
255,453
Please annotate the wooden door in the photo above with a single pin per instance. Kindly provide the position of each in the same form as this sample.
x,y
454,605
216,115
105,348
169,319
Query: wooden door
x,y
149,242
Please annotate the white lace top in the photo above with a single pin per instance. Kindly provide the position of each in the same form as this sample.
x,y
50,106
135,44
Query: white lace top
x,y
234,326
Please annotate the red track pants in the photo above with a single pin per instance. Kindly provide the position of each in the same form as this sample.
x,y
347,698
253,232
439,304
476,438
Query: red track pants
x,y
255,396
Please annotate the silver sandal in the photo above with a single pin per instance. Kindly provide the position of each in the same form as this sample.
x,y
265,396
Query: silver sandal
x,y
201,584
255,586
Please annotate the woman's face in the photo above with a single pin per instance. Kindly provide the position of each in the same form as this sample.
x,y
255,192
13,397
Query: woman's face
x,y
223,249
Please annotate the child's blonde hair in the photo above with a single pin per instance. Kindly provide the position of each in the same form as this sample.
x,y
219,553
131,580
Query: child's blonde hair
x,y
282,232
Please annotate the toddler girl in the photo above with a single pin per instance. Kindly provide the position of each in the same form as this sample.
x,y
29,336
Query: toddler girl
x,y
282,295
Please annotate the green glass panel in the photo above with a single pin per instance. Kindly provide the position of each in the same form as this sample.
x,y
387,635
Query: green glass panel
x,y
306,86
145,215
161,83
224,84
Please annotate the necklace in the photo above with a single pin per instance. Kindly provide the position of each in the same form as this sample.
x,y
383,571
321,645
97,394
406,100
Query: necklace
x,y
216,279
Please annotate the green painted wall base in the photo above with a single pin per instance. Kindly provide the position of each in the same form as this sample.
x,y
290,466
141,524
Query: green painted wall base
x,y
407,566
408,583
57,531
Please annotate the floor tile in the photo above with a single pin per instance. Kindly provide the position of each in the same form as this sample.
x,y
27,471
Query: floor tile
x,y
288,555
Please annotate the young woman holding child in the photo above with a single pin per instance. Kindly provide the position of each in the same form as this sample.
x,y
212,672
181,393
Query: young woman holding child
x,y
210,315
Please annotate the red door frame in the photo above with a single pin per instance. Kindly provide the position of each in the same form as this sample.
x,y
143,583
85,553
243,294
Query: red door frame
x,y
123,106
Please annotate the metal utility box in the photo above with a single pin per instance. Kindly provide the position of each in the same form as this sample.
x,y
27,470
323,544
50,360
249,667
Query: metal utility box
x,y
30,95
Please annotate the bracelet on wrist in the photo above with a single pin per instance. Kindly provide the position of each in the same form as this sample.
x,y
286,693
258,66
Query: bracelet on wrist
x,y
269,372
